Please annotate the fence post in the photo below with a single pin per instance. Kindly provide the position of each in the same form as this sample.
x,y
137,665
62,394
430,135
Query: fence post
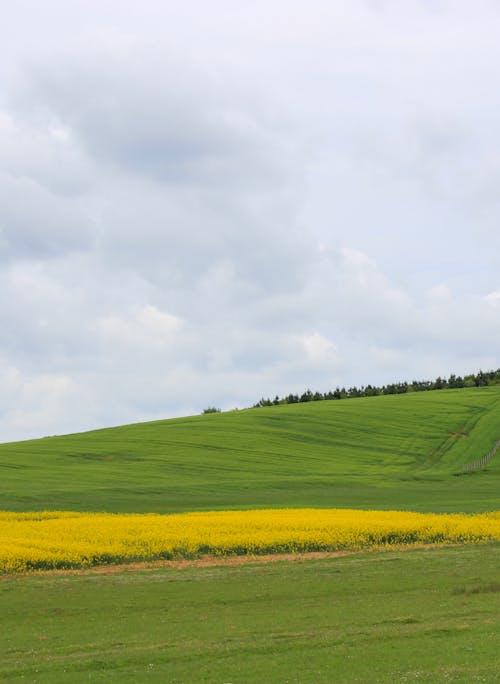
x,y
483,461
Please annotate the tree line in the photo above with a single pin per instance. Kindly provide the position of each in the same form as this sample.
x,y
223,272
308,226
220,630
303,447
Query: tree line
x,y
480,379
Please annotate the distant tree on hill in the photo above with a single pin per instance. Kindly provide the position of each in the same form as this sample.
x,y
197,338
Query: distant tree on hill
x,y
480,379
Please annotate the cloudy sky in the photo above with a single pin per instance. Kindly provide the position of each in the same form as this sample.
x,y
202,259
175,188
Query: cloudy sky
x,y
204,203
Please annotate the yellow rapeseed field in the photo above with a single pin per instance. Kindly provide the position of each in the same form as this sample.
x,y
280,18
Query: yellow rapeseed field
x,y
30,541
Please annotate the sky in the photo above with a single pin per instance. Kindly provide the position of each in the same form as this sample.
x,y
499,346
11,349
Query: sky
x,y
206,203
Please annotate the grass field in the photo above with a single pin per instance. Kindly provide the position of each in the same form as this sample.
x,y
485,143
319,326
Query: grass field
x,y
414,616
393,616
388,452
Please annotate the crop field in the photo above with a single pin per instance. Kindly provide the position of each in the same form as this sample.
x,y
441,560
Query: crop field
x,y
65,540
364,477
391,452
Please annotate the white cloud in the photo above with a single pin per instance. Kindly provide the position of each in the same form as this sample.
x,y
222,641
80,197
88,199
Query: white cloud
x,y
493,297
31,406
439,294
318,349
147,328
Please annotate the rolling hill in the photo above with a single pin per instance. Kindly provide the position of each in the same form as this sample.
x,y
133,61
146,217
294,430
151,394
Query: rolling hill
x,y
399,451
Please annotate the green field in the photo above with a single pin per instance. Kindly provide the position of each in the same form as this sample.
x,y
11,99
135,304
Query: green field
x,y
388,452
420,615
414,616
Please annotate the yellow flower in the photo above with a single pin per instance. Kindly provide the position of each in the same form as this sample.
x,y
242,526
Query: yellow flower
x,y
30,541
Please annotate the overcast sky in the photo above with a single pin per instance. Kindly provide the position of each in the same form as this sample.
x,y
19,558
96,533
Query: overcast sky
x,y
202,203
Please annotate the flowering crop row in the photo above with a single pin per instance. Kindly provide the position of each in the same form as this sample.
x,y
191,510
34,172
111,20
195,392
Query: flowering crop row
x,y
30,541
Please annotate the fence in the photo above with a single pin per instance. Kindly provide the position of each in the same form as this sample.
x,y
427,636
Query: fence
x,y
481,463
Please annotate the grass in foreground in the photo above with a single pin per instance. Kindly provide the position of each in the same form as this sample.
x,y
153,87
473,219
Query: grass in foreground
x,y
415,616
389,452
62,540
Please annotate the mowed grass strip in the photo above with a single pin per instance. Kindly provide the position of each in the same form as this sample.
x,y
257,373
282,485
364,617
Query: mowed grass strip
x,y
388,452
415,616
51,540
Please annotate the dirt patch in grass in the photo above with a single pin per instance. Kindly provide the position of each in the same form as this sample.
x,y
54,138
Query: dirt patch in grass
x,y
214,561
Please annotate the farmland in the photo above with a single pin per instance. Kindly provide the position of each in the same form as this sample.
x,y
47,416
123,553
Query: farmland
x,y
65,540
393,452
382,615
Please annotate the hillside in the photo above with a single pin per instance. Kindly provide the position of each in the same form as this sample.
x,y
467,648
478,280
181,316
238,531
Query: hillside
x,y
398,451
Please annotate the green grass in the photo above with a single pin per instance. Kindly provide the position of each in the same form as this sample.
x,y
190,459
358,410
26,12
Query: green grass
x,y
382,452
426,616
